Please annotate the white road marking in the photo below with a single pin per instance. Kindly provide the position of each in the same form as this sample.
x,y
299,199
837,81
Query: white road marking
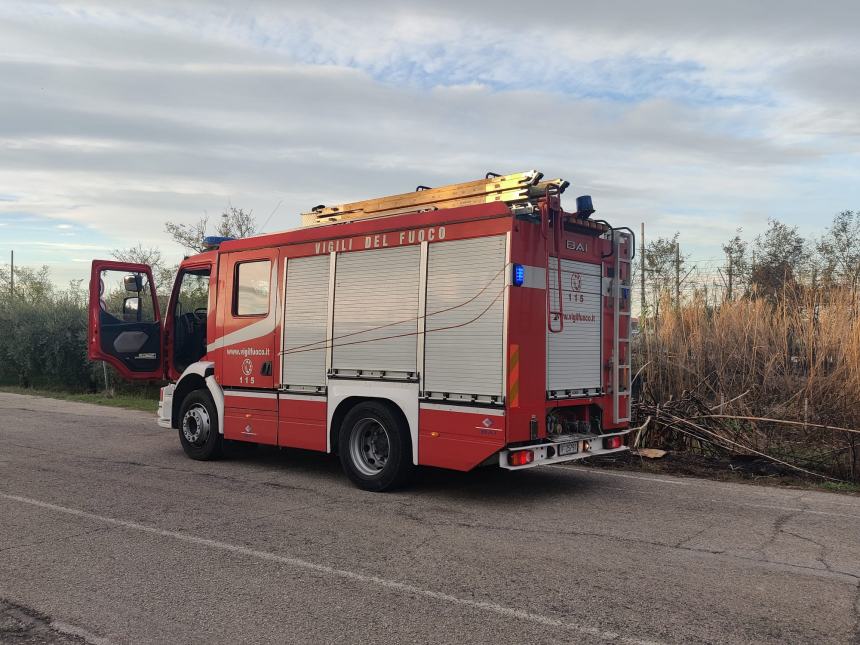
x,y
594,471
789,509
501,610
73,630
749,489
854,505
786,509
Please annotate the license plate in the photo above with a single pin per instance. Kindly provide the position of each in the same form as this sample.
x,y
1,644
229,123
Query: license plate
x,y
568,448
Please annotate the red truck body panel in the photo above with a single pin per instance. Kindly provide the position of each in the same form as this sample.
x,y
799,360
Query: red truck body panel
x,y
247,350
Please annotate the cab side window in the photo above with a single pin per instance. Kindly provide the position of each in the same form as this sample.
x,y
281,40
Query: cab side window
x,y
251,290
193,292
190,318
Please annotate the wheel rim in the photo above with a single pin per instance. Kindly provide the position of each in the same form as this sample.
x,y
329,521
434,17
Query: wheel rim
x,y
196,424
369,447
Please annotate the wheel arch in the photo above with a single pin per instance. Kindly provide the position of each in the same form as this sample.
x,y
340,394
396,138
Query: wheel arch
x,y
198,376
401,396
343,408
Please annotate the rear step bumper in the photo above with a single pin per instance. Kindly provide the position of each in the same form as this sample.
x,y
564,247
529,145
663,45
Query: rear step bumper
x,y
588,446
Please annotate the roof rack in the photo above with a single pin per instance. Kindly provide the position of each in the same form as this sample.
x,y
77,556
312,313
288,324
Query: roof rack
x,y
511,189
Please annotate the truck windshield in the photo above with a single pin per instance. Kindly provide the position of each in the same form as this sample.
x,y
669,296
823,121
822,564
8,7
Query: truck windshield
x,y
189,318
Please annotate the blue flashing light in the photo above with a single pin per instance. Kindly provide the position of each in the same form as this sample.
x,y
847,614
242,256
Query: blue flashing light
x,y
214,241
519,275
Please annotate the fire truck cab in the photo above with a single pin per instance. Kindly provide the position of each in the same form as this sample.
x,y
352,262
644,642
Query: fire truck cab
x,y
467,325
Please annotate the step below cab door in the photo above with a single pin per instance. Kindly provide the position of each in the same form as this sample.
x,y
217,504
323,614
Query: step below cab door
x,y
124,319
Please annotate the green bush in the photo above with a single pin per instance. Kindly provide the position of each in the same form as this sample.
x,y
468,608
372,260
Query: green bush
x,y
43,337
43,343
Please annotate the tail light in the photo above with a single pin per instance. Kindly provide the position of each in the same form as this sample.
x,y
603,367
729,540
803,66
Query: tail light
x,y
521,457
611,443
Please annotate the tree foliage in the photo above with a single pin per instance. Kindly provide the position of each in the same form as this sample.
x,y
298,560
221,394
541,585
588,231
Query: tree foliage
x,y
737,268
31,284
839,251
234,222
660,266
162,273
781,258
43,343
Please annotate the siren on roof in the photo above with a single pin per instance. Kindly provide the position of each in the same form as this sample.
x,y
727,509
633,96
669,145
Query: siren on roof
x,y
584,207
212,242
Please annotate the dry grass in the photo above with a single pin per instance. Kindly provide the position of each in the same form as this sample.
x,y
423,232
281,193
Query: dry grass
x,y
797,360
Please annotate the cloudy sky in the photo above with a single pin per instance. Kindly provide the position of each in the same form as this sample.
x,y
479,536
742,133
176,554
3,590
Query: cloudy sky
x,y
699,117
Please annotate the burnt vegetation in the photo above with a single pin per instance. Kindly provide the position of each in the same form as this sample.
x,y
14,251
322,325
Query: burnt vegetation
x,y
760,358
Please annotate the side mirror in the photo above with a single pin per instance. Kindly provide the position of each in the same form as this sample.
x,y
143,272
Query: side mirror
x,y
133,283
131,309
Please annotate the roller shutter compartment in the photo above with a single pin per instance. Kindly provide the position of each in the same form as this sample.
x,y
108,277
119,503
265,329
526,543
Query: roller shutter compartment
x,y
464,329
573,355
376,310
305,316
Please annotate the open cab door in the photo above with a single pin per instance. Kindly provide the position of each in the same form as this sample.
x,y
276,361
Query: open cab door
x,y
124,319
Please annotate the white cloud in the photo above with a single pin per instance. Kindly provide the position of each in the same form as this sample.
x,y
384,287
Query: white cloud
x,y
63,245
119,118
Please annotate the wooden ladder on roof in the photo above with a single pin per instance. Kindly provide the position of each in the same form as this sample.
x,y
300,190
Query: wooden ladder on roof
x,y
519,187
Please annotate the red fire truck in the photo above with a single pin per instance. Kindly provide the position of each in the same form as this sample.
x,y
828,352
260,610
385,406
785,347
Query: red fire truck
x,y
455,327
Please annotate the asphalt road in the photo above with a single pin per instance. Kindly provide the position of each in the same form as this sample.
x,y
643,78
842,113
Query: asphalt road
x,y
109,534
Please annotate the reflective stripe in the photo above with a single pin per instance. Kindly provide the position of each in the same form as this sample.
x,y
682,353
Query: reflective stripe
x,y
533,278
304,397
442,407
514,377
251,394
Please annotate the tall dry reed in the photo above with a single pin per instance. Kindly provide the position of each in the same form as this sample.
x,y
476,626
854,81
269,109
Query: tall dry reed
x,y
796,360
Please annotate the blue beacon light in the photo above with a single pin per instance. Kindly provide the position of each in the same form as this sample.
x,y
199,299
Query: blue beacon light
x,y
212,242
519,275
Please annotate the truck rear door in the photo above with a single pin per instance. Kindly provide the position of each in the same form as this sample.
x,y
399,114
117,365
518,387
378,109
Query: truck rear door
x,y
573,352
124,319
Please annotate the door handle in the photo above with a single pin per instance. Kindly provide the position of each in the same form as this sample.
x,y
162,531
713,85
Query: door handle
x,y
266,369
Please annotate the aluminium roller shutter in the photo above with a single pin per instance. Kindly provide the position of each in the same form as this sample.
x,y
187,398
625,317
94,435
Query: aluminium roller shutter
x,y
573,355
464,341
376,309
305,313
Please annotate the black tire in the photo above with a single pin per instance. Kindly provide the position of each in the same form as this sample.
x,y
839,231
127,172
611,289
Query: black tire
x,y
198,427
375,447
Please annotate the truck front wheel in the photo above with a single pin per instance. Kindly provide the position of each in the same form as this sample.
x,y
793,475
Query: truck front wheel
x,y
198,427
374,446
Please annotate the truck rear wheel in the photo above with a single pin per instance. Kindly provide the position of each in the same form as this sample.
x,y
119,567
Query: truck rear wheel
x,y
374,446
198,427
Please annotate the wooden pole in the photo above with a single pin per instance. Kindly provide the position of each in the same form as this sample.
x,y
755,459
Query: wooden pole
x,y
730,276
677,274
642,269
12,276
